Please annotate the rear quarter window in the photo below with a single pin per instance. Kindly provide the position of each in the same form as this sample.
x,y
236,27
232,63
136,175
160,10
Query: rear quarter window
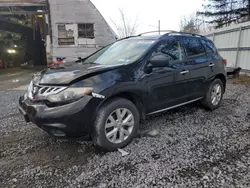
x,y
209,46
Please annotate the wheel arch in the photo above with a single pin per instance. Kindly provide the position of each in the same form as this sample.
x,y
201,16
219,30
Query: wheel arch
x,y
131,96
222,77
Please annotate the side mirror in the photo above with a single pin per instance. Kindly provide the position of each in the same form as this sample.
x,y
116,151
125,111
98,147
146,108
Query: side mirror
x,y
159,61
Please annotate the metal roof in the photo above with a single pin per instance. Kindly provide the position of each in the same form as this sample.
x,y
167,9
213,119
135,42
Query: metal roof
x,y
8,3
12,7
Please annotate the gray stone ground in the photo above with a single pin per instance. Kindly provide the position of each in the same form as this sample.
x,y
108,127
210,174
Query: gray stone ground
x,y
193,148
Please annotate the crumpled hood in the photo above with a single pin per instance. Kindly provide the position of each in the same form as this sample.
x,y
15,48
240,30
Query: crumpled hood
x,y
66,73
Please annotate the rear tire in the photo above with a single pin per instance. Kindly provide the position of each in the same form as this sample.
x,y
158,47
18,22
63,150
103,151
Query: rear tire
x,y
214,95
116,124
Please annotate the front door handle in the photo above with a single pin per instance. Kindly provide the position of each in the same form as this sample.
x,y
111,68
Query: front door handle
x,y
184,72
211,65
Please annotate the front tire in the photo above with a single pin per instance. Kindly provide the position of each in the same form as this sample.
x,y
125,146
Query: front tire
x,y
214,95
116,124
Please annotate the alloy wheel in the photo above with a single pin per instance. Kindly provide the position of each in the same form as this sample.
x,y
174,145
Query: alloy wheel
x,y
216,94
119,125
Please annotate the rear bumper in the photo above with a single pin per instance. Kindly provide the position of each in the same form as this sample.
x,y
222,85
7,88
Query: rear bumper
x,y
72,120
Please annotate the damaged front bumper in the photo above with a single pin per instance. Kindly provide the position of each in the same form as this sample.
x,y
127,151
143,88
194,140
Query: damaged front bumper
x,y
71,120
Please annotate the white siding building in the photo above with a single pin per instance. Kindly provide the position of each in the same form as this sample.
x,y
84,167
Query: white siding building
x,y
69,28
77,29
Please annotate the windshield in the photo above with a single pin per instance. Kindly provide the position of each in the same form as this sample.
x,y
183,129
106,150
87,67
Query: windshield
x,y
124,51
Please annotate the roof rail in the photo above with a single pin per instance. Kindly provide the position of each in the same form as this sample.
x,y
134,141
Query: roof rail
x,y
172,32
169,31
187,33
126,38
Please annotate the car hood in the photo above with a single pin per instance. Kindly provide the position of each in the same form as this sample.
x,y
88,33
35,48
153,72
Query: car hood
x,y
67,73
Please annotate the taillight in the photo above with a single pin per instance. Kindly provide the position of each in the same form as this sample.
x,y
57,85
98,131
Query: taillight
x,y
224,61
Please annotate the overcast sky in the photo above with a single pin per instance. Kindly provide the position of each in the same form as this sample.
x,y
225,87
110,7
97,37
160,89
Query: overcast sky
x,y
149,11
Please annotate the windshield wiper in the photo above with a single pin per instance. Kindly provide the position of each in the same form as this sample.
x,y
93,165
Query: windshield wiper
x,y
80,60
92,63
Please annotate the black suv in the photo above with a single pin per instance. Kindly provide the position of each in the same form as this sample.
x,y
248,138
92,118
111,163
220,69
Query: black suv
x,y
105,96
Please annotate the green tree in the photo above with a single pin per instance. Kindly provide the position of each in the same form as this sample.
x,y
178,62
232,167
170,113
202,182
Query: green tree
x,y
222,13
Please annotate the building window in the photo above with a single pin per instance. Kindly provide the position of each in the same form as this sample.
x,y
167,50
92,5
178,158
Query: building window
x,y
86,30
66,34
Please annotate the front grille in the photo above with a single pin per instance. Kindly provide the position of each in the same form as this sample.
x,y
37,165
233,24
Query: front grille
x,y
41,92
47,90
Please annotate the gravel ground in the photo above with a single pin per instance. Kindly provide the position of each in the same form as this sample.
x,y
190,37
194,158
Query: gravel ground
x,y
194,148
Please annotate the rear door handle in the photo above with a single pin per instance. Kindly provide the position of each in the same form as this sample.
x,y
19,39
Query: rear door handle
x,y
211,65
184,72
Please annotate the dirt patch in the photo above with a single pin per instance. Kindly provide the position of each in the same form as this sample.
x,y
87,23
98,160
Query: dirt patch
x,y
243,79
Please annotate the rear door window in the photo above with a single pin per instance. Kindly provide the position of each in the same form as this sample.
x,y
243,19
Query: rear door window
x,y
193,47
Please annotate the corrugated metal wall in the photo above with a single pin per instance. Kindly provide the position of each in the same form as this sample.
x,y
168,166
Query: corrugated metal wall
x,y
233,43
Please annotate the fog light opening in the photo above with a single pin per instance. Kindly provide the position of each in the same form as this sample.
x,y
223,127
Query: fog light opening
x,y
58,133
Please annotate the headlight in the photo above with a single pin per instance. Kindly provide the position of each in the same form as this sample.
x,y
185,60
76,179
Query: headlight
x,y
25,96
29,91
70,94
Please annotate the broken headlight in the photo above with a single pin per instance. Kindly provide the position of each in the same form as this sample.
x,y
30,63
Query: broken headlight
x,y
70,94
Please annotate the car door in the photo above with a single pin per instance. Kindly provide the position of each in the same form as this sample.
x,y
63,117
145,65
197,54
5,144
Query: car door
x,y
166,85
212,57
198,66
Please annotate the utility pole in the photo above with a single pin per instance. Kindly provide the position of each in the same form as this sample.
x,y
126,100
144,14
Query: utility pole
x,y
159,26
